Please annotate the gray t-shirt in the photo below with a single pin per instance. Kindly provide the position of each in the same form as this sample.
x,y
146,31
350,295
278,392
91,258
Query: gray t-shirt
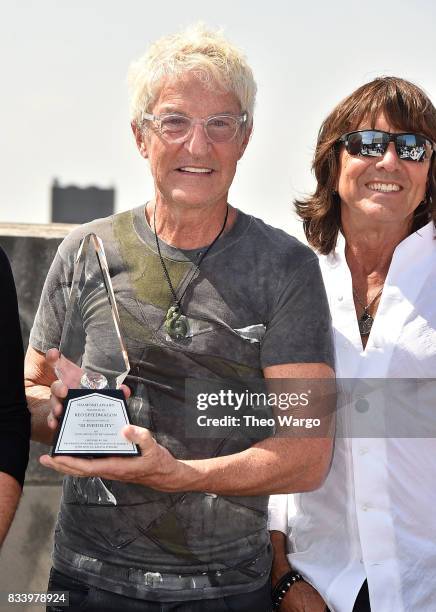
x,y
258,300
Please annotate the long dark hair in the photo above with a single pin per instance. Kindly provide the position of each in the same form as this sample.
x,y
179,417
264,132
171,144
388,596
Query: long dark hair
x,y
406,107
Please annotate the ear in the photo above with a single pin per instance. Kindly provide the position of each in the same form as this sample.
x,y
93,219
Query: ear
x,y
140,138
245,140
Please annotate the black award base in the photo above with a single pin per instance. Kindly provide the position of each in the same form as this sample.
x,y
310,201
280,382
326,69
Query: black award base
x,y
91,423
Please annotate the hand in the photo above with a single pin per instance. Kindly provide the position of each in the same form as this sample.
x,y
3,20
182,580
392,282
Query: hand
x,y
71,375
58,390
302,597
155,468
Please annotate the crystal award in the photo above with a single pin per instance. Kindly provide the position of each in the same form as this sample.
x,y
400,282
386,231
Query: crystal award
x,y
93,363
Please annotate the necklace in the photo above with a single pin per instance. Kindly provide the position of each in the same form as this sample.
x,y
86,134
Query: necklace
x,y
176,323
366,320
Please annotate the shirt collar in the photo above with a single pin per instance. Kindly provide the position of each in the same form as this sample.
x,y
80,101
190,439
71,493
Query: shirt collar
x,y
423,238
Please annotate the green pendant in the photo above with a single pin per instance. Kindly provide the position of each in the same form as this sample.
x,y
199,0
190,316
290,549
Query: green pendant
x,y
176,324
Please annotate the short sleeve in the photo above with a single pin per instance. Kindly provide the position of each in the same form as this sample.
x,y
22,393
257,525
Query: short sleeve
x,y
299,326
49,320
14,415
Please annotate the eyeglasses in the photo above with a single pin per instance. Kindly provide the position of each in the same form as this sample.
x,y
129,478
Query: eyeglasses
x,y
374,143
176,128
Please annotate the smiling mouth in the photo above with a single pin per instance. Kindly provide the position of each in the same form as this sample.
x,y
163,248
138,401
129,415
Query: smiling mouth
x,y
384,187
192,170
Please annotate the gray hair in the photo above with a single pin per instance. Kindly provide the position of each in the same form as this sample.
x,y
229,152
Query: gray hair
x,y
205,53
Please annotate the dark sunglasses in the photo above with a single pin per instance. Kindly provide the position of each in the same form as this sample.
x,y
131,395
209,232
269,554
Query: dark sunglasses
x,y
374,143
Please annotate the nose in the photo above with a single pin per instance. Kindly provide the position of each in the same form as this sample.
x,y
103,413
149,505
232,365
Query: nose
x,y
197,142
390,160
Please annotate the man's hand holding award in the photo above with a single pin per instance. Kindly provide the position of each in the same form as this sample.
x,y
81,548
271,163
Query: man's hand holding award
x,y
92,362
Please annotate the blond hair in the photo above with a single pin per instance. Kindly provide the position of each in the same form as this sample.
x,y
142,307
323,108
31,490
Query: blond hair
x,y
205,53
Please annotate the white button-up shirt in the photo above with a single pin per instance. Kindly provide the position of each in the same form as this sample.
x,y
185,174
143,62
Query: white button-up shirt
x,y
375,515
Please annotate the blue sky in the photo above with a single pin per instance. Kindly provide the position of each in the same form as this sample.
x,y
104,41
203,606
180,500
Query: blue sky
x,y
64,107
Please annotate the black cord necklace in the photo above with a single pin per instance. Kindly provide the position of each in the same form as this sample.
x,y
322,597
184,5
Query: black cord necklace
x,y
176,323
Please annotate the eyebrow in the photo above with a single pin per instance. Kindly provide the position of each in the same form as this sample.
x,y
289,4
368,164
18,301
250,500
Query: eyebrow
x,y
173,109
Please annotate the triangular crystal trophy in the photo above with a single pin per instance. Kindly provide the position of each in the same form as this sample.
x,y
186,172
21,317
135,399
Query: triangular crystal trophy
x,y
93,362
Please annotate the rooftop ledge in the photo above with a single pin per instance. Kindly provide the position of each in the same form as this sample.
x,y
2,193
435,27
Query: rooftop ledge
x,y
36,230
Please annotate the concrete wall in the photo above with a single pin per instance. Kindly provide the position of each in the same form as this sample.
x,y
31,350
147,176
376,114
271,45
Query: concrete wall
x,y
25,556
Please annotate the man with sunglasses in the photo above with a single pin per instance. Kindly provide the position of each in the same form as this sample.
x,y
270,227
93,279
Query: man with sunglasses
x,y
204,292
366,540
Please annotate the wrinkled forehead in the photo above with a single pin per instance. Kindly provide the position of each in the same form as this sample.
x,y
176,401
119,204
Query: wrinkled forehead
x,y
193,84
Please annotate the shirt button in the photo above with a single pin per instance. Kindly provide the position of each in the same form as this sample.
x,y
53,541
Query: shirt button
x,y
363,451
365,507
340,298
362,405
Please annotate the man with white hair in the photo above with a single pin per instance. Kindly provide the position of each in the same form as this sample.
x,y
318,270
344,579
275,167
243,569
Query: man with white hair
x,y
204,291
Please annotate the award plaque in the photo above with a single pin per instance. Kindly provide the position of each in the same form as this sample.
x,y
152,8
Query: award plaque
x,y
93,363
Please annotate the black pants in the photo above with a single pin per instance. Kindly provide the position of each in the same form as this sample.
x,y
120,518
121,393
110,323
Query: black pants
x,y
362,602
91,599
